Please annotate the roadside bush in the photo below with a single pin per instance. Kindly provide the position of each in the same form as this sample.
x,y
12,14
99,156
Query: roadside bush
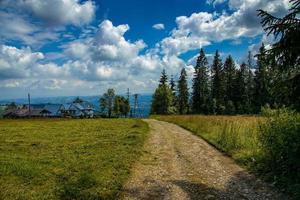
x,y
280,139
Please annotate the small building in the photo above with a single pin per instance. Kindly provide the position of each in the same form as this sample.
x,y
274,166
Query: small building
x,y
82,109
56,110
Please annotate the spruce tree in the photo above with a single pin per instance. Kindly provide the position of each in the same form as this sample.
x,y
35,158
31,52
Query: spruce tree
x,y
200,93
240,89
217,84
229,80
183,93
250,88
163,78
162,99
261,79
173,89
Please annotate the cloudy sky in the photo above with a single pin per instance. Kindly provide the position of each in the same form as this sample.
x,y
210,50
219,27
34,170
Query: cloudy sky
x,y
73,47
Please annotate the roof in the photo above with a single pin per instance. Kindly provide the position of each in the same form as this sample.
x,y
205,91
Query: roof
x,y
54,108
37,106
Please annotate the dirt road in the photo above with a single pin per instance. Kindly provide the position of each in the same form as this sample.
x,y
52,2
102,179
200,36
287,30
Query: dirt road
x,y
179,165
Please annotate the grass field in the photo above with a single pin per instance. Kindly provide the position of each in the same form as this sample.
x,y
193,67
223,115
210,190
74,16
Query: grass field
x,y
234,135
67,159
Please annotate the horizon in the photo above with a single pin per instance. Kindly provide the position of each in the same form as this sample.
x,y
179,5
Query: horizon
x,y
50,50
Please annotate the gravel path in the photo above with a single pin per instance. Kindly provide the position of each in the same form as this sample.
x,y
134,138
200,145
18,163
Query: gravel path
x,y
179,165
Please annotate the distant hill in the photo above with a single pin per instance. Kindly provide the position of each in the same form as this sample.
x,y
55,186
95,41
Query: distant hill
x,y
144,102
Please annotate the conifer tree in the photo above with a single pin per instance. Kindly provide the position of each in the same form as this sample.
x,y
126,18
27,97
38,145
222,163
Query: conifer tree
x,y
173,89
250,88
163,78
261,80
217,84
162,99
240,89
229,80
183,93
200,93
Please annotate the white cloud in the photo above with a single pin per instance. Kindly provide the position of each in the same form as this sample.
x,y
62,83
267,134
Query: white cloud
x,y
215,2
203,28
22,30
16,63
55,12
35,22
158,26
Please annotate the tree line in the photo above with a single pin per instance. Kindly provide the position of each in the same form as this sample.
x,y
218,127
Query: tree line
x,y
226,88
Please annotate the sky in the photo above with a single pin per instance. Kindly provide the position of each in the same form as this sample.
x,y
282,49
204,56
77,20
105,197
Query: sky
x,y
83,47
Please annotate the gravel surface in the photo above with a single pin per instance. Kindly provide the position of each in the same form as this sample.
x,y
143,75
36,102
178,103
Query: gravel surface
x,y
179,165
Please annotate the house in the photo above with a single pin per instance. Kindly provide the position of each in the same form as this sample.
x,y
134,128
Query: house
x,y
56,110
16,113
36,110
80,109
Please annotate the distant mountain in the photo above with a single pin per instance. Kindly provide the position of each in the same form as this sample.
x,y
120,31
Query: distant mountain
x,y
143,108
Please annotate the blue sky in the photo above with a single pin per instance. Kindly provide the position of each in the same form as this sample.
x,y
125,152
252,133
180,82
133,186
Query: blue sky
x,y
72,47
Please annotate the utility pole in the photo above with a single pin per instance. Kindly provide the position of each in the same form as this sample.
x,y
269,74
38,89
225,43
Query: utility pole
x,y
29,106
128,94
136,104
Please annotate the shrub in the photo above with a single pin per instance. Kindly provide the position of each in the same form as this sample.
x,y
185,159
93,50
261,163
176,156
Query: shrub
x,y
280,139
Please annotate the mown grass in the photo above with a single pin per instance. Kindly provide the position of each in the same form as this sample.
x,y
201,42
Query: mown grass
x,y
67,159
237,136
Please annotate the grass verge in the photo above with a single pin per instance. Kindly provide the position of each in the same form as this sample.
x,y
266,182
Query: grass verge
x,y
67,159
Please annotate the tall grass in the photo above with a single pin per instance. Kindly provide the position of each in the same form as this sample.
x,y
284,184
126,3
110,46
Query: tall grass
x,y
67,159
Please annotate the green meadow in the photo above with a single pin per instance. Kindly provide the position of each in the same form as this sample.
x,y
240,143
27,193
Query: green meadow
x,y
67,158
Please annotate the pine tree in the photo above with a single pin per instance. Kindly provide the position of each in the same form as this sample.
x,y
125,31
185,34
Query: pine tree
x,y
163,78
286,52
162,99
173,89
183,94
200,93
240,89
229,80
217,83
261,80
250,88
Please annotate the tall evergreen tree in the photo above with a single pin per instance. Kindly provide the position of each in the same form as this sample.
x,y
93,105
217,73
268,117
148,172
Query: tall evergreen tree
x,y
183,93
286,53
261,79
250,86
200,93
162,99
229,79
173,89
240,90
217,90
163,78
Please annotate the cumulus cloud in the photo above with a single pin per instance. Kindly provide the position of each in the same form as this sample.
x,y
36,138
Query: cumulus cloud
x,y
37,21
158,26
55,12
203,28
215,2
